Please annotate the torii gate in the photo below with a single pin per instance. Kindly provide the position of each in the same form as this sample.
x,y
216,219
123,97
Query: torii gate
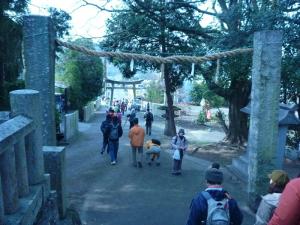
x,y
123,83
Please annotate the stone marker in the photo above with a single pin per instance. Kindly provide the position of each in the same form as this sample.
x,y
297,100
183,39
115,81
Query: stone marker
x,y
263,133
39,57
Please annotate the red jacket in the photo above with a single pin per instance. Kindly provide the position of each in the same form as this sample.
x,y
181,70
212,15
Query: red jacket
x,y
288,210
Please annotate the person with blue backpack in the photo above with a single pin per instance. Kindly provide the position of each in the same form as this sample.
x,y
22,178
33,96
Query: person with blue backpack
x,y
214,206
115,132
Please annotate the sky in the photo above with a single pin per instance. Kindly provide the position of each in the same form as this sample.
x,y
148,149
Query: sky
x,y
86,21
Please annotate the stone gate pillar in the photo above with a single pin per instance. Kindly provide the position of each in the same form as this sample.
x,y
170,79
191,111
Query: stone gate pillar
x,y
263,133
134,91
112,93
39,56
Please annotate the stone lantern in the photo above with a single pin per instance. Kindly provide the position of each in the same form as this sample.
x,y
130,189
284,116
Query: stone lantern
x,y
286,117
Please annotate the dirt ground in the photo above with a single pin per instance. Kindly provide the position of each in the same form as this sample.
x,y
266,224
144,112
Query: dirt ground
x,y
222,151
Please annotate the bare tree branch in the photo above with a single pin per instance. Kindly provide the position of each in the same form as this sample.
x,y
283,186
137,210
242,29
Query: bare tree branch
x,y
223,5
103,8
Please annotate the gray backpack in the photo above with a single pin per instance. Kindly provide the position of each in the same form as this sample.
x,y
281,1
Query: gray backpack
x,y
217,211
114,132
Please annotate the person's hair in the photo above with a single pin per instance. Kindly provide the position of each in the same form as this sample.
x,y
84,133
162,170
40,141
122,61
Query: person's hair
x,y
213,182
275,188
135,121
214,176
108,117
215,165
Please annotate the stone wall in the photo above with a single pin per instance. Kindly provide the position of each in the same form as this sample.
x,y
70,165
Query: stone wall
x,y
98,104
70,125
88,111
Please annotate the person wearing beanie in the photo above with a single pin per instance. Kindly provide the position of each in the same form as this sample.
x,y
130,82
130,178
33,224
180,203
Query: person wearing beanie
x,y
288,209
199,206
269,202
179,144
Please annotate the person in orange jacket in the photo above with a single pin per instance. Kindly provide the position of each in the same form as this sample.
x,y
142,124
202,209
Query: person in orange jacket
x,y
288,210
136,136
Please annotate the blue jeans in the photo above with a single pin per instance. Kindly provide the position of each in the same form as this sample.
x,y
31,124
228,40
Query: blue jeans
x,y
113,147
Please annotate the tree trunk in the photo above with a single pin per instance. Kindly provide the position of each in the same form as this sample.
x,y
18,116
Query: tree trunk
x,y
238,121
170,127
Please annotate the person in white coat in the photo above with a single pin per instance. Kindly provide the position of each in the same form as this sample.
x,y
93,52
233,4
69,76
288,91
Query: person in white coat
x,y
269,202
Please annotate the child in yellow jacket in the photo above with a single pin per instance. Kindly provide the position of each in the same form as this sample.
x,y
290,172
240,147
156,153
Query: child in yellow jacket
x,y
153,151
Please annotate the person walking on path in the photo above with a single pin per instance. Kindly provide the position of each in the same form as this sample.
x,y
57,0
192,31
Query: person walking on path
x,y
119,115
180,145
287,211
269,202
153,151
148,116
204,206
115,132
105,131
136,136
131,117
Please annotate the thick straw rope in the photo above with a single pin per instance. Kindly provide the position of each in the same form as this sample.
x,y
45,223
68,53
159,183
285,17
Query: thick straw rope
x,y
155,59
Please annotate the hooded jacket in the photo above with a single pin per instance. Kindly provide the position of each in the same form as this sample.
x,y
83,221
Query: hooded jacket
x,y
199,207
266,208
136,136
288,209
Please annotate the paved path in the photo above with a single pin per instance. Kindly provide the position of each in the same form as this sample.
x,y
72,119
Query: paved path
x,y
124,195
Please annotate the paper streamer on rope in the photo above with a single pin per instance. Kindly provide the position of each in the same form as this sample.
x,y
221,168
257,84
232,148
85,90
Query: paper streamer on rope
x,y
193,69
131,65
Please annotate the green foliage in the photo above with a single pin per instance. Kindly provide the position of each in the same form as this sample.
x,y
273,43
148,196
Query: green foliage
x,y
293,137
200,91
8,87
155,93
155,28
10,47
201,118
61,21
163,107
83,73
11,61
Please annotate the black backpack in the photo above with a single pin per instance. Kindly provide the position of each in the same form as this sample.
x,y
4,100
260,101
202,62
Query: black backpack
x,y
149,117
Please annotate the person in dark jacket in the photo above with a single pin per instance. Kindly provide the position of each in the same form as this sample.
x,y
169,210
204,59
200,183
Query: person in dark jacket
x,y
105,129
199,206
115,132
